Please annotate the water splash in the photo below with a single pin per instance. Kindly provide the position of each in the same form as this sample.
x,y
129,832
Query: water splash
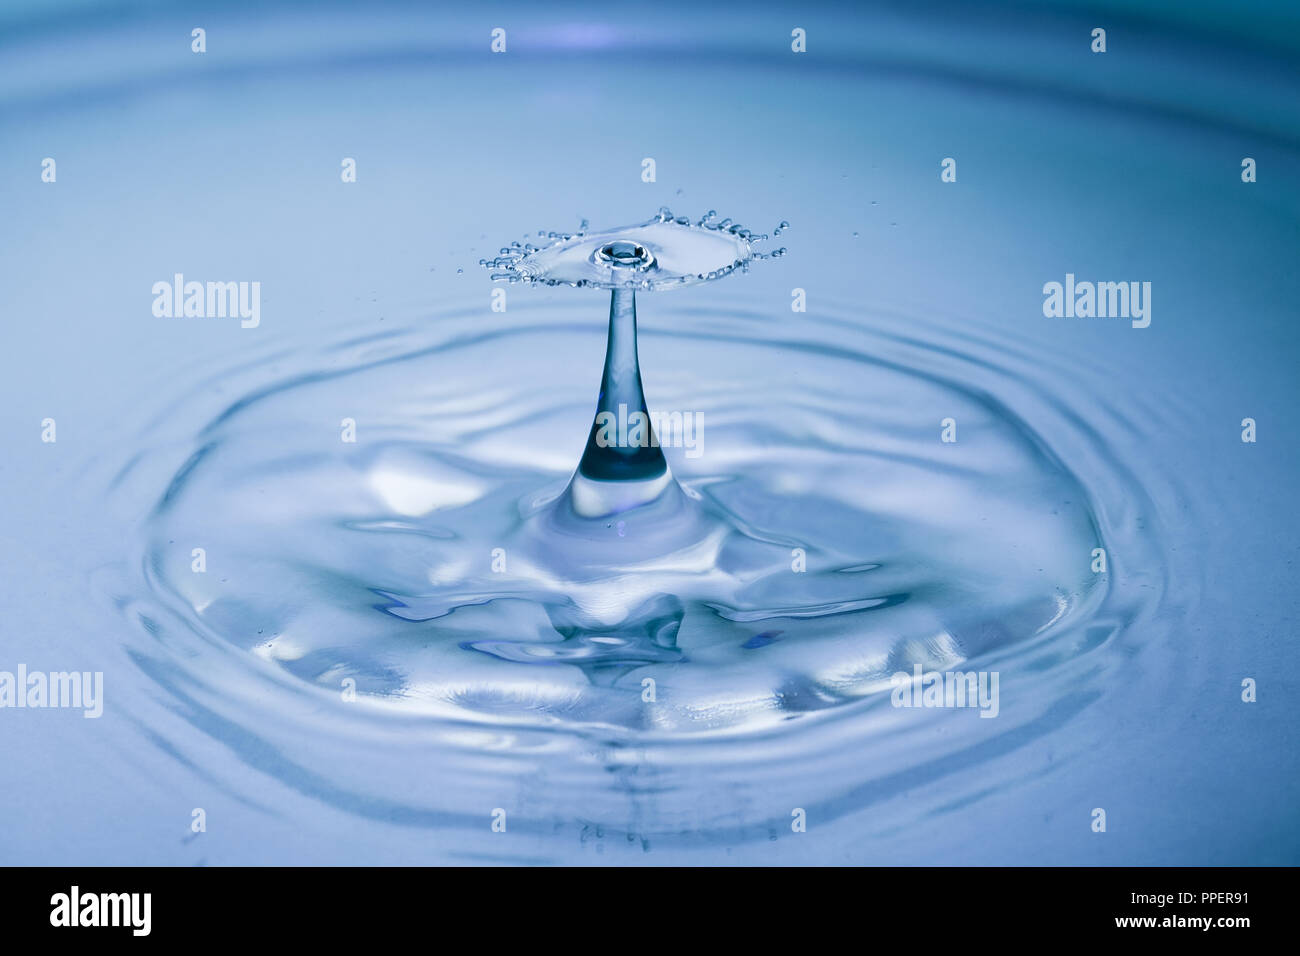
x,y
661,253
769,580
664,252
772,584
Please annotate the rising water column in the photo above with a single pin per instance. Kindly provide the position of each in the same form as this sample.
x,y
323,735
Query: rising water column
x,y
622,466
615,476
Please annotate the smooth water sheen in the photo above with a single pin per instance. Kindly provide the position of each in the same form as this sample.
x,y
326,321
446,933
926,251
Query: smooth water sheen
x,y
649,654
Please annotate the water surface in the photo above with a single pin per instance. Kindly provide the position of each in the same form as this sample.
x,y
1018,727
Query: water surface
x,y
368,566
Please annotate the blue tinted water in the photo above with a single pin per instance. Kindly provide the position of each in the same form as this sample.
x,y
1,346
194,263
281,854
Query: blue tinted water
x,y
398,636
